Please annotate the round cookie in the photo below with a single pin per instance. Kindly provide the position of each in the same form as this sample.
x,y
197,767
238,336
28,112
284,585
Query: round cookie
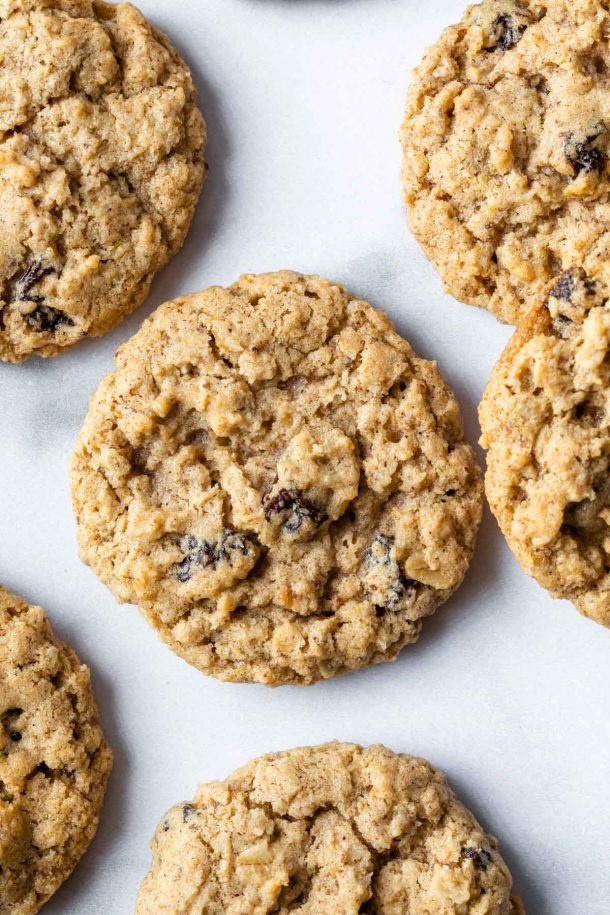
x,y
505,141
101,166
54,762
323,830
545,418
277,480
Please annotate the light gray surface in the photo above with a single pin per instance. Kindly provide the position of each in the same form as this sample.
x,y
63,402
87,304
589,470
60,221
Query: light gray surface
x,y
507,691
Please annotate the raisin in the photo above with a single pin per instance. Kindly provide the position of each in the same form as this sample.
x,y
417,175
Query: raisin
x,y
8,721
379,552
187,812
505,33
296,506
480,856
202,554
198,552
582,154
392,588
586,159
43,318
564,287
401,589
232,542
574,287
589,285
184,570
47,319
31,277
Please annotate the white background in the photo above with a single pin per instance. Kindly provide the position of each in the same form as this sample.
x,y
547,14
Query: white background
x,y
507,691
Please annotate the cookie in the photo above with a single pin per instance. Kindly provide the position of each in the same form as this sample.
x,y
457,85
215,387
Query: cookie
x,y
505,141
326,830
54,762
545,418
101,165
277,480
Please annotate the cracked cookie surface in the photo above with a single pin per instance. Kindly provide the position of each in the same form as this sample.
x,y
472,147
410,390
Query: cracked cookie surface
x,y
326,830
545,418
54,762
101,165
277,480
506,139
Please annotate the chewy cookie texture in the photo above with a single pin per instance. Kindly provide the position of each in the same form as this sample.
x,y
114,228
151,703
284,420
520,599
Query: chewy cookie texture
x,y
54,762
322,831
545,418
505,141
277,480
101,165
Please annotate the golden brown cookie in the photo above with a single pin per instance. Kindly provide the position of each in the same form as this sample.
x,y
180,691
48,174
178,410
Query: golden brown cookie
x,y
54,762
505,141
322,831
101,165
277,480
545,418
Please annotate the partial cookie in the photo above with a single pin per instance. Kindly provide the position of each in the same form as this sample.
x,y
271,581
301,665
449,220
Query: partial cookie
x,y
54,762
326,830
101,165
505,140
277,480
545,418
